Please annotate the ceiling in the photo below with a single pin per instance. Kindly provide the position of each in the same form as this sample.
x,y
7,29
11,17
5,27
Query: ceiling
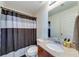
x,y
25,6
64,6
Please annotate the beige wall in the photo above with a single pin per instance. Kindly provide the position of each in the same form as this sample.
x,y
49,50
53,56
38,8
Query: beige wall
x,y
16,8
1,4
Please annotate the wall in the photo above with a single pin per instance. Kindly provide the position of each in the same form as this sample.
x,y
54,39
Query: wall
x,y
63,22
16,8
42,22
1,4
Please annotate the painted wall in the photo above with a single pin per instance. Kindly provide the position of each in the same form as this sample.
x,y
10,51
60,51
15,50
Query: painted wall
x,y
1,4
42,22
16,8
63,22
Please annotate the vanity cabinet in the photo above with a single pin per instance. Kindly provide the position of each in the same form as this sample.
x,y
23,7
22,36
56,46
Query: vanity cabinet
x,y
43,53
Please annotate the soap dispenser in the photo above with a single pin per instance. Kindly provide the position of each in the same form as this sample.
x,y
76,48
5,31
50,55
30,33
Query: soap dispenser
x,y
68,43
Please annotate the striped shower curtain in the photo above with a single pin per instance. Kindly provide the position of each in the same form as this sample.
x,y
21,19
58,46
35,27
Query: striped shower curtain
x,y
16,31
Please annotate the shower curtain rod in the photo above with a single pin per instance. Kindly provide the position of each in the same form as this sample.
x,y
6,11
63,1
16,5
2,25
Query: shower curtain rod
x,y
17,12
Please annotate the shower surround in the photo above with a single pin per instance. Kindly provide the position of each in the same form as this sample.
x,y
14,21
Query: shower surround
x,y
16,31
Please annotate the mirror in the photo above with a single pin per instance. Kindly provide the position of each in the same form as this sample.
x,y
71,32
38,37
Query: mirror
x,y
62,20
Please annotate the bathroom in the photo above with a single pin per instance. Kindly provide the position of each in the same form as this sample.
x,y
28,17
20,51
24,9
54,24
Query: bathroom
x,y
61,28
37,28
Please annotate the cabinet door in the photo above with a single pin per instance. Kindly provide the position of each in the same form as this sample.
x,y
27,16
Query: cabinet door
x,y
43,53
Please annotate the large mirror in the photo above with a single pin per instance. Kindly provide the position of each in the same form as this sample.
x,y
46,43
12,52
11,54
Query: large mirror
x,y
62,20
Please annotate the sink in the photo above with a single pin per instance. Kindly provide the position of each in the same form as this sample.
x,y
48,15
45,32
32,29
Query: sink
x,y
52,45
55,47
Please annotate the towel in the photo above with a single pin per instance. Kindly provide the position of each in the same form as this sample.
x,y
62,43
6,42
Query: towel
x,y
76,33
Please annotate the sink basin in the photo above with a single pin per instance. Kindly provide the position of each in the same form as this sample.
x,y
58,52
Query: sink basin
x,y
52,45
55,47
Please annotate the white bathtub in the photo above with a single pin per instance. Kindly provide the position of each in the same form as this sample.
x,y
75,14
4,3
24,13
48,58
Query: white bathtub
x,y
18,53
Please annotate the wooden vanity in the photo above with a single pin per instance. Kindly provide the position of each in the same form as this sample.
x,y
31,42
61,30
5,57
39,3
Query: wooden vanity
x,y
43,53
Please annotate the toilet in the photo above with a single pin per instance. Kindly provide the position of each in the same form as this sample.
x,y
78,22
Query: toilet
x,y
31,51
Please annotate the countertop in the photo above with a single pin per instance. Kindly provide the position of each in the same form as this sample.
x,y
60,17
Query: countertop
x,y
64,51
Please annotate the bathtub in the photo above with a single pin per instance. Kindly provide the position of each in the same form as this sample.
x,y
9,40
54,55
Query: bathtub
x,y
17,53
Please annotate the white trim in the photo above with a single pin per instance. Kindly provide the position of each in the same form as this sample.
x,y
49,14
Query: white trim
x,y
55,5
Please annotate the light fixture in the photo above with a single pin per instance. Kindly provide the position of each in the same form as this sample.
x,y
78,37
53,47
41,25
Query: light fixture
x,y
51,2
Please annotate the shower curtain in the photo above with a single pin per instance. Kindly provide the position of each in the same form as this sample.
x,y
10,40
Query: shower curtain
x,y
16,31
